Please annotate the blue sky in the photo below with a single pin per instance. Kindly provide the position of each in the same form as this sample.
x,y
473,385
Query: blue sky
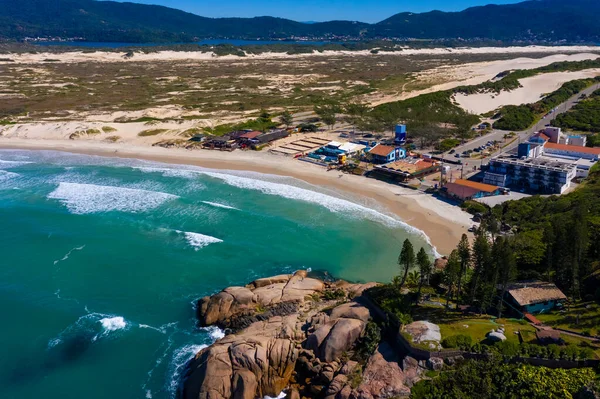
x,y
317,10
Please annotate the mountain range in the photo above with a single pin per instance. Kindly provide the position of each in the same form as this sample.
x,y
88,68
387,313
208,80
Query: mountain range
x,y
109,21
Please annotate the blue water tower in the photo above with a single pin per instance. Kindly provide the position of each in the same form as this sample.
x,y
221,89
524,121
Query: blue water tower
x,y
400,134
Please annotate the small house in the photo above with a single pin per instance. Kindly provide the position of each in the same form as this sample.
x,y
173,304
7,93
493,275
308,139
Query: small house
x,y
534,296
385,153
272,136
466,190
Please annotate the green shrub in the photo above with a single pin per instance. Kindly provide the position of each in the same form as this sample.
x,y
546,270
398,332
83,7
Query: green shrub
x,y
334,294
368,343
474,207
152,132
460,341
108,129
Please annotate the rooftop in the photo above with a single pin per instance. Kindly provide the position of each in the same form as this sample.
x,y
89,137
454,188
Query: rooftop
x,y
382,150
574,148
532,292
539,162
409,165
250,135
488,188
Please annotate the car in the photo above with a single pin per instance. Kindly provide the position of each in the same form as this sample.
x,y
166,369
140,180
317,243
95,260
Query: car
x,y
456,155
452,151
472,229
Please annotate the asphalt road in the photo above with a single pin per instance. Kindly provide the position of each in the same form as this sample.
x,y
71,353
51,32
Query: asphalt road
x,y
498,135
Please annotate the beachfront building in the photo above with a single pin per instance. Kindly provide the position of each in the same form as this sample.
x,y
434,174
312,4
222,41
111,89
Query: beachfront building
x,y
534,296
464,190
382,154
409,168
541,174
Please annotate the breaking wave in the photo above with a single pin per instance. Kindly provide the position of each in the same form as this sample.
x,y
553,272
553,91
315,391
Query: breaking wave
x,y
181,358
89,329
215,333
90,198
217,205
198,240
12,164
4,175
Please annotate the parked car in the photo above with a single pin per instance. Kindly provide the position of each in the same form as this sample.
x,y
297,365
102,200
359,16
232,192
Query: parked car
x,y
452,151
456,155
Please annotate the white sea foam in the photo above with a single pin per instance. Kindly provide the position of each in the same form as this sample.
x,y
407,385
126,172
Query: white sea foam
x,y
214,332
4,175
12,164
69,254
170,172
113,323
91,198
217,205
280,396
181,357
198,240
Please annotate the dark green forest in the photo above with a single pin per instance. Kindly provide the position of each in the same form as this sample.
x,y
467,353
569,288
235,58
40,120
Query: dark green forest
x,y
584,117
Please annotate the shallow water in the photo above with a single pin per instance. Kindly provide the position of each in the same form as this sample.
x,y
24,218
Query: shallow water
x,y
101,260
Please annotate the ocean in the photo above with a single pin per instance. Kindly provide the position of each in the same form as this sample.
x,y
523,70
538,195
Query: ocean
x,y
102,260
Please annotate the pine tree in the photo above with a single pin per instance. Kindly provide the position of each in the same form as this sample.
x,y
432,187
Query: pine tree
x,y
406,261
451,274
464,253
425,269
506,265
481,261
287,118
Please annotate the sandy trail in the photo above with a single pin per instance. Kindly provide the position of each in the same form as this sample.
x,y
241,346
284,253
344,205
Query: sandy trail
x,y
442,223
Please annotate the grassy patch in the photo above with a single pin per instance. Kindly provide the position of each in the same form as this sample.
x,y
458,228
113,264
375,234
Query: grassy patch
x,y
112,139
108,129
152,132
583,318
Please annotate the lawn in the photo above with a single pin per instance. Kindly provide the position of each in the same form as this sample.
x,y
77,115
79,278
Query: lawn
x,y
584,318
454,323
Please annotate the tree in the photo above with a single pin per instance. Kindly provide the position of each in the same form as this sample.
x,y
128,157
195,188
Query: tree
x,y
406,261
287,118
355,113
481,261
329,119
425,269
451,274
505,262
464,253
327,112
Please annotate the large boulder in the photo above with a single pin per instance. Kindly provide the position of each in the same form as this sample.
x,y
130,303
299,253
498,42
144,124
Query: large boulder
x,y
334,338
220,309
424,331
241,367
351,310
383,378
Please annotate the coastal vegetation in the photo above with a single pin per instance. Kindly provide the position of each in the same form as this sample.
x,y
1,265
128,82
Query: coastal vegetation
x,y
494,379
521,117
584,117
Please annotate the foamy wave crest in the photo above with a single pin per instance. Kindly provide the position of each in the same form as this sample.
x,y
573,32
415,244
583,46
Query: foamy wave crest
x,y
90,198
280,396
215,333
170,172
4,175
69,254
217,205
12,164
198,240
89,329
181,357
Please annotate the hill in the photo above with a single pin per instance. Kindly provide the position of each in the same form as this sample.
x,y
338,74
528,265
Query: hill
x,y
533,21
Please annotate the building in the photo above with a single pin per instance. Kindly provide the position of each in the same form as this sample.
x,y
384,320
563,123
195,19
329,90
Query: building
x,y
534,296
542,174
385,153
400,134
572,151
468,190
265,138
409,168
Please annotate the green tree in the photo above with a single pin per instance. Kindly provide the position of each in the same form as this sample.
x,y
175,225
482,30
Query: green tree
x,y
329,120
287,118
481,259
503,255
464,253
425,269
406,261
451,275
355,113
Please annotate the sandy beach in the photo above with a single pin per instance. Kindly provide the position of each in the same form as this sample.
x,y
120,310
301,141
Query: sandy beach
x,y
442,223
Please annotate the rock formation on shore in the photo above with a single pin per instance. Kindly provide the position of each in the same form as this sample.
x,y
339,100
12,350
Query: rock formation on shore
x,y
298,334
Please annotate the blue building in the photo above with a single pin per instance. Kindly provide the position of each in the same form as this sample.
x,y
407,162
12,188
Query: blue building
x,y
534,296
381,154
400,134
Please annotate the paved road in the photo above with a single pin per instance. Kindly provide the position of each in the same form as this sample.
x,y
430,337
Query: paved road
x,y
521,136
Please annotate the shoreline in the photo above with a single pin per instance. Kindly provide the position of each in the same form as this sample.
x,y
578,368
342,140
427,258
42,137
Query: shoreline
x,y
442,223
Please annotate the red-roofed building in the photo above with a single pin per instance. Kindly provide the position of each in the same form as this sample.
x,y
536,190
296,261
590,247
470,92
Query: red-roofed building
x,y
466,190
574,151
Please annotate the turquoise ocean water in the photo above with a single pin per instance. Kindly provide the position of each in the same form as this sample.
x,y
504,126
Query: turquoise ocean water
x,y
101,260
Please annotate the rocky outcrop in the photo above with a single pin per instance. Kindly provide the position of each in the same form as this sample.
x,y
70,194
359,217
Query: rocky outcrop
x,y
284,334
233,302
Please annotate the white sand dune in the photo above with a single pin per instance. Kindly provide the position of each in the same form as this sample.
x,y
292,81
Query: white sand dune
x,y
534,88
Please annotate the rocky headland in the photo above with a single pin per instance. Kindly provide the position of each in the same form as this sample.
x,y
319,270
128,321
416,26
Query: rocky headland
x,y
298,335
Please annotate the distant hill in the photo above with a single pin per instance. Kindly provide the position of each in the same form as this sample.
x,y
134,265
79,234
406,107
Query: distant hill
x,y
537,20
